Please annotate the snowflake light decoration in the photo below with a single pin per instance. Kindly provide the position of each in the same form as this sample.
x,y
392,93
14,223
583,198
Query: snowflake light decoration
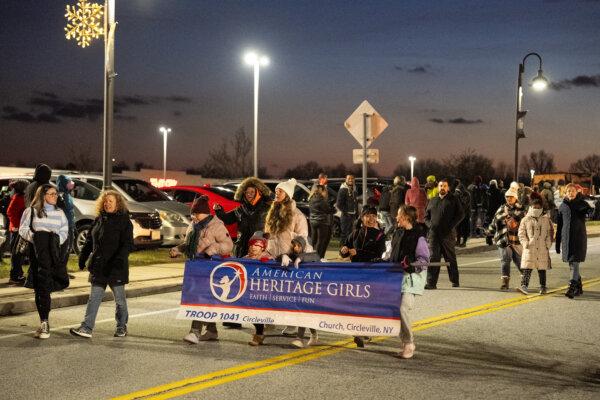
x,y
84,22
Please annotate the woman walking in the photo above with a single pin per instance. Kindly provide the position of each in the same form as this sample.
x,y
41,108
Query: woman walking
x,y
109,243
535,234
45,226
571,236
321,215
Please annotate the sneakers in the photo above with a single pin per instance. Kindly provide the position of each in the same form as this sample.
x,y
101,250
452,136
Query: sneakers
x,y
408,351
314,340
288,331
505,283
298,343
43,332
121,331
193,337
430,287
208,335
80,332
359,342
17,282
543,290
257,340
523,289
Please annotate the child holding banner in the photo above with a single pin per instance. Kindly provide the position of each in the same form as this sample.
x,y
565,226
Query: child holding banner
x,y
409,248
205,237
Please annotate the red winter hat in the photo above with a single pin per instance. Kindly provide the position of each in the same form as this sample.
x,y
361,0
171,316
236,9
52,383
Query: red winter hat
x,y
200,205
259,238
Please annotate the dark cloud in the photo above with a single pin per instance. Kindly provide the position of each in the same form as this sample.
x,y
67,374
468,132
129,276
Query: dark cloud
x,y
458,121
398,68
177,113
56,110
578,81
421,69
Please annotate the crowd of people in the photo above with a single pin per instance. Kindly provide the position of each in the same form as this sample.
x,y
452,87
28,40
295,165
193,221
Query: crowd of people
x,y
412,226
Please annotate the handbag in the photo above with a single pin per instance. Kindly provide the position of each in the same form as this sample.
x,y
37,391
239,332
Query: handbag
x,y
23,245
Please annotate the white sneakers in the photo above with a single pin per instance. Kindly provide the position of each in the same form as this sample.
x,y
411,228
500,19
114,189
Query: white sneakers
x,y
194,337
408,351
314,340
43,332
298,343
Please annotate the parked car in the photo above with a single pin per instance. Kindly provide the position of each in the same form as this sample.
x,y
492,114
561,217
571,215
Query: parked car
x,y
175,216
187,194
146,222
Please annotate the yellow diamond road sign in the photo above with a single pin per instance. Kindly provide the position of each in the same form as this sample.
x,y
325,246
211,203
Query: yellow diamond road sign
x,y
375,123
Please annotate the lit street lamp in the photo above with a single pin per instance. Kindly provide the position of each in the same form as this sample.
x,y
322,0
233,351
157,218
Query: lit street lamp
x,y
253,59
165,132
84,24
539,83
412,166
532,172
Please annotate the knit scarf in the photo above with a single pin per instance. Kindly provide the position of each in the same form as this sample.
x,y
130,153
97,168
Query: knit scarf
x,y
191,240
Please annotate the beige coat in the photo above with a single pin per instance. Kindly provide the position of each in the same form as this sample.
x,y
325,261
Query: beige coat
x,y
213,239
535,234
282,242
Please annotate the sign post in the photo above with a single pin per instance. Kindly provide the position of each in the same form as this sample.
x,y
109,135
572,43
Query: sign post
x,y
372,126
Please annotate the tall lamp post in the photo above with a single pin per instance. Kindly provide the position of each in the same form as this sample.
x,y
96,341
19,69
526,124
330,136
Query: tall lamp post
x,y
165,131
539,83
532,173
255,60
412,166
84,24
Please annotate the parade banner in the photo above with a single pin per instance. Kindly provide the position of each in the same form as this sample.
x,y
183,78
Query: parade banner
x,y
346,298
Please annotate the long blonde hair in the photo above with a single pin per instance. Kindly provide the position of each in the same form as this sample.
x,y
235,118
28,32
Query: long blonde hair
x,y
280,216
121,205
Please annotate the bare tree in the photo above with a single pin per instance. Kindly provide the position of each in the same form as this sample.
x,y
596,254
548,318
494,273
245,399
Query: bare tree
x,y
503,171
588,165
467,164
540,161
82,158
230,160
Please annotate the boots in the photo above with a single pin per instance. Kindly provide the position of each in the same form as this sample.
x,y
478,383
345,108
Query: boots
x,y
572,290
505,282
579,290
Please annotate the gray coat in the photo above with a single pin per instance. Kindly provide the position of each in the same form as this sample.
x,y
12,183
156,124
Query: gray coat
x,y
571,235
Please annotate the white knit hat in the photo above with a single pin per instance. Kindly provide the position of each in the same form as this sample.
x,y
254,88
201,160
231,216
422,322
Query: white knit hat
x,y
288,187
513,190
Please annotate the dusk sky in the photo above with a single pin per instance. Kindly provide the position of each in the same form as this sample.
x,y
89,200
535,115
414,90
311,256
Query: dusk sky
x,y
442,73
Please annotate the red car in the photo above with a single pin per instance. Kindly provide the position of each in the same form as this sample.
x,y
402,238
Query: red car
x,y
187,194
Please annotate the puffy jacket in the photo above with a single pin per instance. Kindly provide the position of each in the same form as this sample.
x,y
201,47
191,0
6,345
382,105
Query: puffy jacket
x,y
213,239
249,218
321,210
535,235
109,243
281,243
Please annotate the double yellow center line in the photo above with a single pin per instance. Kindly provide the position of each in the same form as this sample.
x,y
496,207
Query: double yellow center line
x,y
194,384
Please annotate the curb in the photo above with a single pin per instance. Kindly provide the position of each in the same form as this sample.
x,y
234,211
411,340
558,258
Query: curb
x,y
80,296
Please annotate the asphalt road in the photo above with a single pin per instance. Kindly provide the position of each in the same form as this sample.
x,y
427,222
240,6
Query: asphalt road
x,y
542,347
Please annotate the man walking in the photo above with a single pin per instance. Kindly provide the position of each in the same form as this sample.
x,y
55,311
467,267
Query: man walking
x,y
442,216
347,203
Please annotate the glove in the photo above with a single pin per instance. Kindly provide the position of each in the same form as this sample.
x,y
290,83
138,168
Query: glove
x,y
297,262
406,265
285,260
82,263
489,240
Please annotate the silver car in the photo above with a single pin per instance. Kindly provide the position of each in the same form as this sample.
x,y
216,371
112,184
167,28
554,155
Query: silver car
x,y
175,216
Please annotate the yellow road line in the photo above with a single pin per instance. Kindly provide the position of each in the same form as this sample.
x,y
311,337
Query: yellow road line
x,y
194,384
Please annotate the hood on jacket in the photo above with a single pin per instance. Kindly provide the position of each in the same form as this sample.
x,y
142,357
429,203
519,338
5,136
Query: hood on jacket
x,y
301,241
61,182
414,183
251,182
345,185
42,174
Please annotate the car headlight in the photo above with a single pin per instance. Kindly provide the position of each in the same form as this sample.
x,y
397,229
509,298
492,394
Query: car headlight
x,y
171,217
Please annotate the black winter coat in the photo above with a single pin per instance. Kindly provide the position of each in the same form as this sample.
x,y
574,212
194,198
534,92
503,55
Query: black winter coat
x,y
109,243
369,244
571,235
321,211
249,219
443,215
46,270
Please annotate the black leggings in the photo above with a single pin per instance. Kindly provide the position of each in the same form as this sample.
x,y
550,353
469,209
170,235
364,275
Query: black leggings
x,y
43,302
527,276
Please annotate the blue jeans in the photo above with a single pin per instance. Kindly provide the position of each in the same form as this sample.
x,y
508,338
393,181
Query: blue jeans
x,y
508,254
94,301
574,267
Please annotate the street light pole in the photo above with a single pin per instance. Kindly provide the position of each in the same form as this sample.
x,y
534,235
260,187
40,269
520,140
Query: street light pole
x,y
412,166
109,90
165,132
532,173
539,83
256,61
